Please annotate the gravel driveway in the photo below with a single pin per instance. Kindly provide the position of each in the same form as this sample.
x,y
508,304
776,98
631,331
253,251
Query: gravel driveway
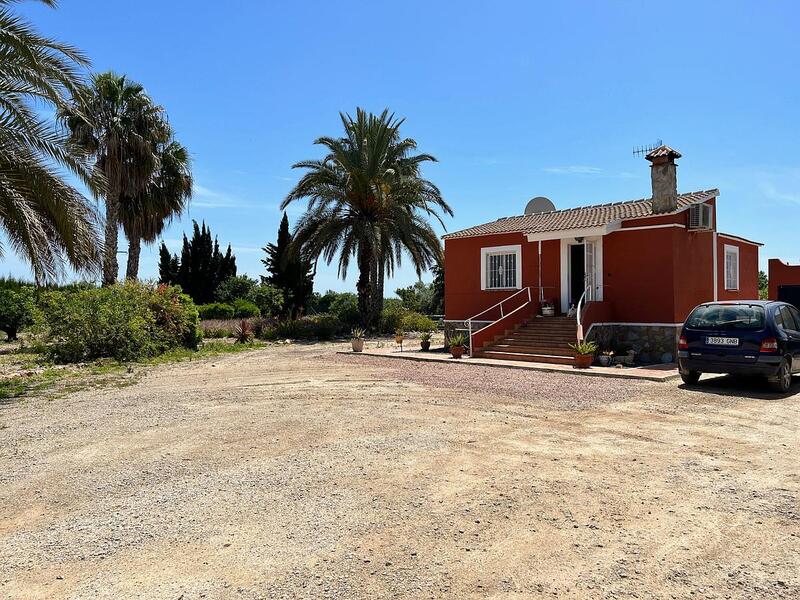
x,y
291,472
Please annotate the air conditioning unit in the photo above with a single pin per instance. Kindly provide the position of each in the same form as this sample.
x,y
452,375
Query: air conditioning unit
x,y
700,216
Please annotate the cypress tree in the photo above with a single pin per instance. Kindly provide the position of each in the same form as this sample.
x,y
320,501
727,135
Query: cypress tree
x,y
201,267
167,266
289,271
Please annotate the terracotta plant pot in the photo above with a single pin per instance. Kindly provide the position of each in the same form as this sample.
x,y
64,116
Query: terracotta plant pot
x,y
358,344
398,339
583,361
425,346
457,351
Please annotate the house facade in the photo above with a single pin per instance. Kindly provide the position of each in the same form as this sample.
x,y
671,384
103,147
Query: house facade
x,y
631,271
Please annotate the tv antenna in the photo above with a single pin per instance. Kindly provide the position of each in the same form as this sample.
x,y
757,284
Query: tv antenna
x,y
643,150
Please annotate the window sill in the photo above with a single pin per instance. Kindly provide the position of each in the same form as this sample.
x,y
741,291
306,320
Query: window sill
x,y
509,289
727,289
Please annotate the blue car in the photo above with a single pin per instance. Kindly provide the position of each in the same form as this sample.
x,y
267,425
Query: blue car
x,y
741,337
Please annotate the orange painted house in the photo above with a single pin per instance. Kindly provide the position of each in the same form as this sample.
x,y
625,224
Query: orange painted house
x,y
626,273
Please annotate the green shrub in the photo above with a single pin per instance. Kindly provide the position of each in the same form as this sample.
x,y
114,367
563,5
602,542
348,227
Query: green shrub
x,y
244,309
126,322
413,321
326,327
16,309
177,320
235,288
344,306
268,299
391,316
216,310
321,327
294,329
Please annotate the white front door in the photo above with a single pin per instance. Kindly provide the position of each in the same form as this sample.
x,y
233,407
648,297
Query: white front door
x,y
590,249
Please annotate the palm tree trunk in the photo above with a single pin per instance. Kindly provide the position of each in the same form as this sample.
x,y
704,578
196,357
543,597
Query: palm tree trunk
x,y
365,288
134,251
110,264
379,281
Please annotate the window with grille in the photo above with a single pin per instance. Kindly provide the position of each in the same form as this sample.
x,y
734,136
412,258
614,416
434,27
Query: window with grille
x,y
501,268
731,267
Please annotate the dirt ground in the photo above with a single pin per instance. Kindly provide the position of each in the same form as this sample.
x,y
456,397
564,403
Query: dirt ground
x,y
292,472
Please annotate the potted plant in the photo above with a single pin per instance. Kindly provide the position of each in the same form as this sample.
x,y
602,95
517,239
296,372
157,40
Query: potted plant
x,y
548,307
457,341
399,335
605,358
357,339
425,341
584,354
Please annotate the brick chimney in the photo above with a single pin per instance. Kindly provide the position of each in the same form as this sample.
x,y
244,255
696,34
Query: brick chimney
x,y
664,177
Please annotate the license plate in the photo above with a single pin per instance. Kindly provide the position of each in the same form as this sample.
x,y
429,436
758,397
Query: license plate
x,y
722,341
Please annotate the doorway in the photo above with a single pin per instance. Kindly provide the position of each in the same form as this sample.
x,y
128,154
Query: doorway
x,y
577,273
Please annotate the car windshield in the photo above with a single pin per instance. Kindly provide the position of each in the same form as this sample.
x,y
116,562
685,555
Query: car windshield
x,y
727,317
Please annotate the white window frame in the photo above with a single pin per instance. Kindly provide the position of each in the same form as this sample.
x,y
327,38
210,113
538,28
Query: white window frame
x,y
495,250
731,251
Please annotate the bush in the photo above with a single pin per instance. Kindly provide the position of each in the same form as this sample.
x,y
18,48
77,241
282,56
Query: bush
x,y
244,309
126,322
413,321
235,288
16,310
215,310
326,327
268,299
321,327
344,306
391,316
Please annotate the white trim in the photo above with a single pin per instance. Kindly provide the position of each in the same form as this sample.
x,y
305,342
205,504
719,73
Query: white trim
x,y
715,262
734,250
662,226
736,238
515,249
565,274
577,232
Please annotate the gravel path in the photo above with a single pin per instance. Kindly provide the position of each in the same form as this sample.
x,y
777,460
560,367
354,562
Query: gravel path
x,y
291,472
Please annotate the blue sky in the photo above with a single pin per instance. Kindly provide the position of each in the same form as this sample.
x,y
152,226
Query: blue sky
x,y
516,99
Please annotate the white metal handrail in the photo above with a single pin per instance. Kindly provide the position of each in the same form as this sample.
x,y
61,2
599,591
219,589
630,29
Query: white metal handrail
x,y
502,314
500,304
581,307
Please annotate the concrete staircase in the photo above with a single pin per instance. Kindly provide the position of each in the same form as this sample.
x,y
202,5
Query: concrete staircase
x,y
540,339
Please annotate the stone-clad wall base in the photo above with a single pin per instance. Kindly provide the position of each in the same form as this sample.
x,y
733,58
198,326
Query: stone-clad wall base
x,y
651,343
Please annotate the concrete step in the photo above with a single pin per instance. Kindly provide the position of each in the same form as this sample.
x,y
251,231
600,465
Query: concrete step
x,y
531,349
541,358
536,338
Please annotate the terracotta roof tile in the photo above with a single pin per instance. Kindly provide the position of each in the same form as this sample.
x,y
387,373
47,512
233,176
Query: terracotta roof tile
x,y
662,151
580,217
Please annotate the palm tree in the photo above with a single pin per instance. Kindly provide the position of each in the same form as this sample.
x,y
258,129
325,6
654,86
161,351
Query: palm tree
x,y
368,200
46,220
144,217
114,121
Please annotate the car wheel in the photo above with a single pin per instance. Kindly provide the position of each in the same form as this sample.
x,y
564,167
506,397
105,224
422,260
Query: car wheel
x,y
783,380
690,377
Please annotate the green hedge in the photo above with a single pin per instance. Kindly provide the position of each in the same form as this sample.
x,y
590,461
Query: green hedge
x,y
321,327
216,310
126,321
244,309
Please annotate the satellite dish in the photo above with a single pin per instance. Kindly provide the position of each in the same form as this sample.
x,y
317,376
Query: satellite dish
x,y
540,204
